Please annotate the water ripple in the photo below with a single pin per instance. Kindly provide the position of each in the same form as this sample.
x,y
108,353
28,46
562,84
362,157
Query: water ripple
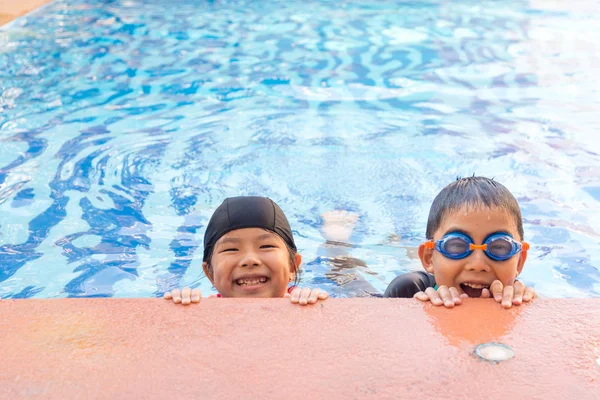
x,y
124,124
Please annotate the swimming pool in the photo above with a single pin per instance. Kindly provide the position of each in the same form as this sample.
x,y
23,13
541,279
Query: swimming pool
x,y
123,124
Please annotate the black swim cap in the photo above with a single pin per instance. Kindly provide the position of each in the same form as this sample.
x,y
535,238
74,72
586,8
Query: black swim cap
x,y
246,212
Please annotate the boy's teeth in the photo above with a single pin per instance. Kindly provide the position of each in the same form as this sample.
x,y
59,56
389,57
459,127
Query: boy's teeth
x,y
475,286
251,281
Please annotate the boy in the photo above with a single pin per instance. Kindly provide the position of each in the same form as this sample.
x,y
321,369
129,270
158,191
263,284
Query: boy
x,y
474,248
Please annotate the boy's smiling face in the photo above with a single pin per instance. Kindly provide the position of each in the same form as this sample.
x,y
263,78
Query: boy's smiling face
x,y
477,271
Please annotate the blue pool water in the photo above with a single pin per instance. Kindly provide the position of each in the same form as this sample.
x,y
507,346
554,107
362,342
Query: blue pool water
x,y
123,124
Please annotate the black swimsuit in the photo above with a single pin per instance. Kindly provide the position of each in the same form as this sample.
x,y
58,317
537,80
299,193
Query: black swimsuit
x,y
407,285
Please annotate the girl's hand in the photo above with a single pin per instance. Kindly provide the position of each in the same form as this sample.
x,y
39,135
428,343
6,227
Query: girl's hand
x,y
304,296
509,295
448,297
184,296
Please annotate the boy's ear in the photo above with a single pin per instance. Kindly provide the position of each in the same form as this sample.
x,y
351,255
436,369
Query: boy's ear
x,y
522,259
426,256
208,272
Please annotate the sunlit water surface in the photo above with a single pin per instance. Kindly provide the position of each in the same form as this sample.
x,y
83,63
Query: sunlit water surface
x,y
124,124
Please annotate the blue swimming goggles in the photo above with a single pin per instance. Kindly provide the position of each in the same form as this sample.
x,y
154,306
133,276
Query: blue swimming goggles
x,y
498,247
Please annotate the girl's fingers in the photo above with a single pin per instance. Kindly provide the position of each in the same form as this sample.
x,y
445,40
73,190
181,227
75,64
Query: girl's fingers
x,y
485,293
529,294
507,297
519,289
497,289
313,297
196,296
176,296
295,295
304,296
186,293
167,296
455,296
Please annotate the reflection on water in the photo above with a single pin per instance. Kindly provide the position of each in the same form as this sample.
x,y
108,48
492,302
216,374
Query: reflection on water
x,y
124,124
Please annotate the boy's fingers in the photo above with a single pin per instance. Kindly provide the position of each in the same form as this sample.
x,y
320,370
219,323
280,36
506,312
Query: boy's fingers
x,y
529,294
314,296
485,293
196,296
446,296
421,296
519,289
167,296
497,288
176,296
509,292
434,296
455,296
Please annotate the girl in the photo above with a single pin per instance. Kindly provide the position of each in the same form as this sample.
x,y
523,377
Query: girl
x,y
249,251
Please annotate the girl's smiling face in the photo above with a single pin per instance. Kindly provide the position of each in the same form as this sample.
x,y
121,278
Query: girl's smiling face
x,y
477,271
251,262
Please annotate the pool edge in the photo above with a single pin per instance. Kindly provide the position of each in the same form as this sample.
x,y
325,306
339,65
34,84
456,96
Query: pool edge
x,y
268,348
11,11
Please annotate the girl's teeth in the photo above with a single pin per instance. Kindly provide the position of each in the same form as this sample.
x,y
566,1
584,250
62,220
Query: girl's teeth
x,y
250,282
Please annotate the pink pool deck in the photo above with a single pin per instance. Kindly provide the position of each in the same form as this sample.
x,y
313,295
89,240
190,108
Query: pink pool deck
x,y
11,9
271,349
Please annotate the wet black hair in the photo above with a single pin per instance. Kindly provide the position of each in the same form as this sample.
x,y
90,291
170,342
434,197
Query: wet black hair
x,y
473,191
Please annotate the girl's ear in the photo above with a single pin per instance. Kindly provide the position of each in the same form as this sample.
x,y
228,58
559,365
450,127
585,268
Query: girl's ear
x,y
426,256
208,272
295,267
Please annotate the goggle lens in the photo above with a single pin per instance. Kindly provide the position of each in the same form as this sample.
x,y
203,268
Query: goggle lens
x,y
500,247
456,246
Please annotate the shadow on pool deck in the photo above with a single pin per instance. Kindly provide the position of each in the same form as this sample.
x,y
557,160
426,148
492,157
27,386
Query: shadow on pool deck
x,y
255,349
11,9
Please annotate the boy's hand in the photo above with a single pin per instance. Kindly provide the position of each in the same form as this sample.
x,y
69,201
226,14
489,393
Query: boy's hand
x,y
304,296
448,297
509,295
184,296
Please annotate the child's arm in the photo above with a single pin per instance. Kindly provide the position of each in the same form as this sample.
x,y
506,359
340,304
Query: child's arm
x,y
304,296
184,296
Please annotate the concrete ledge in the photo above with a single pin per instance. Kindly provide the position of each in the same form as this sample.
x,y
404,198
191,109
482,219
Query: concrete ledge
x,y
255,349
11,9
